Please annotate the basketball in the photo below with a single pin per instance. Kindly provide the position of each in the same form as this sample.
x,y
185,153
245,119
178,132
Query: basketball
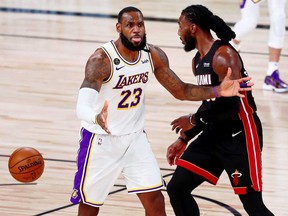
x,y
26,164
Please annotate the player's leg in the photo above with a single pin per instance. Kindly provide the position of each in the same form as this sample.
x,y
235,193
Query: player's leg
x,y
98,168
253,204
247,23
153,203
87,210
142,174
179,190
196,165
275,44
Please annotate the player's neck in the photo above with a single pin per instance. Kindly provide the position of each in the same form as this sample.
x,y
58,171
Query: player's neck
x,y
127,54
204,44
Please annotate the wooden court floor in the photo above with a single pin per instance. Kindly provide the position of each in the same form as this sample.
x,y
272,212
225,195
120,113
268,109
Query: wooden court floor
x,y
44,45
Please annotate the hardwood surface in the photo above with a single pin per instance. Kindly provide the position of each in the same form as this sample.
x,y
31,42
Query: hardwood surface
x,y
42,59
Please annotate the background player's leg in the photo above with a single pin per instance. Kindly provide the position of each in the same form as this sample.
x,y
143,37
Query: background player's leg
x,y
248,22
277,16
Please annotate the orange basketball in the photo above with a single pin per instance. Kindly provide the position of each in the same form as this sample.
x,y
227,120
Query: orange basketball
x,y
26,164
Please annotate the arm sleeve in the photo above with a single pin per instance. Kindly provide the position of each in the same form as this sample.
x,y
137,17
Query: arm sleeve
x,y
87,97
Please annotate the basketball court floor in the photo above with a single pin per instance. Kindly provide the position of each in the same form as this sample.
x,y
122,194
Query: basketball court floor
x,y
44,46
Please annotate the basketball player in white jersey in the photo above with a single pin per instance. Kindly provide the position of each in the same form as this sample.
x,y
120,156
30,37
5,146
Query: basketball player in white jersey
x,y
250,12
111,108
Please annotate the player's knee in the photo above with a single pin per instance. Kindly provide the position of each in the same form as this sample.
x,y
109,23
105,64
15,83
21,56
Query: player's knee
x,y
250,25
174,189
170,188
156,205
87,210
159,201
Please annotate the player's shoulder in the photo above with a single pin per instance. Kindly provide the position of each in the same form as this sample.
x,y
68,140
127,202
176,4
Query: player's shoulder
x,y
157,53
226,51
154,48
98,55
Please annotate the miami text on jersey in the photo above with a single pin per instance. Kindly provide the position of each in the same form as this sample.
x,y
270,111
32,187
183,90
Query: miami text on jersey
x,y
204,79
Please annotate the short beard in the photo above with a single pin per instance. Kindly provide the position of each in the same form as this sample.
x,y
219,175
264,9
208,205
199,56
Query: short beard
x,y
190,45
130,45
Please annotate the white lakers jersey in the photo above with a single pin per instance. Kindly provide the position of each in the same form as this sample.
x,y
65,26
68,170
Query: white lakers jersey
x,y
124,91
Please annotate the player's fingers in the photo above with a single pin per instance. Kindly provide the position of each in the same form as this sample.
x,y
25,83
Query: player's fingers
x,y
245,89
106,127
175,159
168,152
250,84
107,130
105,107
229,71
177,130
244,86
174,126
175,121
244,79
170,159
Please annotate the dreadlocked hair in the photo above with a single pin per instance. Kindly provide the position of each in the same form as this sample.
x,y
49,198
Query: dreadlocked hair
x,y
206,20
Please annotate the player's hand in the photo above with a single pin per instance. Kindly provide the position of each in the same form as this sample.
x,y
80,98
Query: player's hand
x,y
102,118
174,151
229,87
181,124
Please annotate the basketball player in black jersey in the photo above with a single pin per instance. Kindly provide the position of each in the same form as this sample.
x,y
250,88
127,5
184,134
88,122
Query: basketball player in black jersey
x,y
231,131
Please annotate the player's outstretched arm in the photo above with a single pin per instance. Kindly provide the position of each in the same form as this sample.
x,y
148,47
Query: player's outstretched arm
x,y
186,91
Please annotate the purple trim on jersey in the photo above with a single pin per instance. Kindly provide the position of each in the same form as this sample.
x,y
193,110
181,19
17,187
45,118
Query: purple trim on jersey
x,y
86,139
242,4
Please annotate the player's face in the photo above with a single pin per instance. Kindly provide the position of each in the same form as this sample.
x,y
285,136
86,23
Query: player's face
x,y
132,31
184,31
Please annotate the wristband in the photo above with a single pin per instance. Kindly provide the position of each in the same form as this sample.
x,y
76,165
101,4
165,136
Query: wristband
x,y
191,119
243,85
183,140
215,91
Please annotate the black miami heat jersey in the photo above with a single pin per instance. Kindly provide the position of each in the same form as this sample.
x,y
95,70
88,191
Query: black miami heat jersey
x,y
232,133
213,109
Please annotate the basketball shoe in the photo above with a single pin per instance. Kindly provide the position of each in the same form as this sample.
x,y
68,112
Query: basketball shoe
x,y
274,83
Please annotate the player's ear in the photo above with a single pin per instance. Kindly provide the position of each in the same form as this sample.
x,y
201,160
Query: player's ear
x,y
118,27
193,28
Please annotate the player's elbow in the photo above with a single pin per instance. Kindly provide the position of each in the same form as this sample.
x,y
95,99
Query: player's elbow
x,y
180,94
180,97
